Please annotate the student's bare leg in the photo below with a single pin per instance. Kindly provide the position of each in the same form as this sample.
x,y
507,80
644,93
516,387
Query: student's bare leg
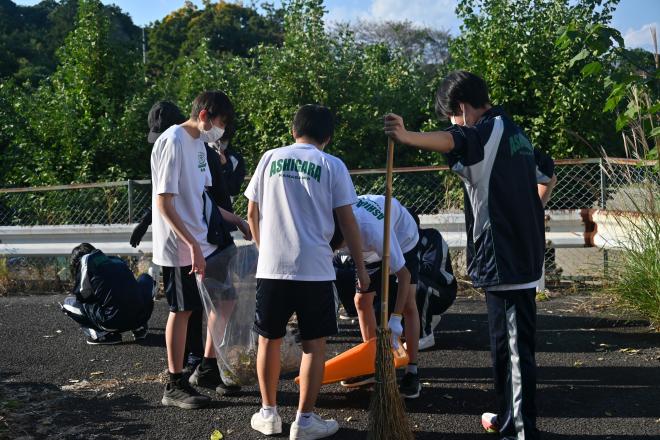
x,y
226,308
312,366
268,369
411,325
364,304
175,339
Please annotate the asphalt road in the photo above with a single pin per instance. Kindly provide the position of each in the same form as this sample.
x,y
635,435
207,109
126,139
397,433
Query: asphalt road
x,y
598,378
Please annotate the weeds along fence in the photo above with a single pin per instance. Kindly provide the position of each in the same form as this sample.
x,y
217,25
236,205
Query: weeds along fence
x,y
583,183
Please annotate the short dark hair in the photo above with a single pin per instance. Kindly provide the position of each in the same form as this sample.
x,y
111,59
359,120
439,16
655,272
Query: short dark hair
x,y
338,237
460,86
314,121
216,103
76,255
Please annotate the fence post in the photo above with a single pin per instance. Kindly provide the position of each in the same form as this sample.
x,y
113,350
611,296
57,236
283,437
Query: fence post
x,y
603,185
130,200
603,205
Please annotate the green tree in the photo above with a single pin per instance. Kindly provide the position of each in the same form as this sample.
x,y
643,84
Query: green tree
x,y
633,87
74,115
511,44
31,35
223,27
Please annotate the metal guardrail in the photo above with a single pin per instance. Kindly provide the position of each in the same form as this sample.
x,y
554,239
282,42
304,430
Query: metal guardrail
x,y
564,229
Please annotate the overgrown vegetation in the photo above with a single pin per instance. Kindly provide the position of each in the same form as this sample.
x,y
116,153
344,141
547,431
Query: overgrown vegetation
x,y
75,90
634,278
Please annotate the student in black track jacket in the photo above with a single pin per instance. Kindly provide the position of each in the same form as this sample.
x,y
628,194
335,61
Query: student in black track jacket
x,y
108,300
231,172
436,286
507,183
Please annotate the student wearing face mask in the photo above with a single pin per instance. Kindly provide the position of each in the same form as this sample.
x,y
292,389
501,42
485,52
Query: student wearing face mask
x,y
230,172
182,238
507,183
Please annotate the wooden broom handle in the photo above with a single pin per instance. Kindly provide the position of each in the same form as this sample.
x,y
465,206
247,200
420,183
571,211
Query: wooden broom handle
x,y
385,270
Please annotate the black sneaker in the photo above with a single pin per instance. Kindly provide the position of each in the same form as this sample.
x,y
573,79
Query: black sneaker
x,y
141,332
206,377
180,393
358,381
410,386
107,339
189,369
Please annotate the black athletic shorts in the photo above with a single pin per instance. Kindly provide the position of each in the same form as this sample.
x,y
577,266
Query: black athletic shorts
x,y
312,301
181,286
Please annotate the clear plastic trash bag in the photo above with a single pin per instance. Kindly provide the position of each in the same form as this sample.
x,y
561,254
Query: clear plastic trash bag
x,y
228,293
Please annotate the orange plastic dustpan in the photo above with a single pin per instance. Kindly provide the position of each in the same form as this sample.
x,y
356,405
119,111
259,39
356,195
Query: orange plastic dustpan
x,y
358,361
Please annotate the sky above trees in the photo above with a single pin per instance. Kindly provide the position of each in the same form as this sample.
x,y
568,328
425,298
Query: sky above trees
x,y
632,17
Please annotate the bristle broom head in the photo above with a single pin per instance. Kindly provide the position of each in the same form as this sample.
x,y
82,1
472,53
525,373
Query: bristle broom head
x,y
387,414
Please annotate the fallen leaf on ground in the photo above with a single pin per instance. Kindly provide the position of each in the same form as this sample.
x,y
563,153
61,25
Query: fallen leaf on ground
x,y
216,435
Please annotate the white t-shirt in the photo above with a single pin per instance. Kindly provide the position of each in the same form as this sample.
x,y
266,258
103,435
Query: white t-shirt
x,y
370,216
297,187
179,167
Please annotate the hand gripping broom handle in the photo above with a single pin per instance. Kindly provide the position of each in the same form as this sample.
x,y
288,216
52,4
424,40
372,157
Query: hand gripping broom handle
x,y
385,270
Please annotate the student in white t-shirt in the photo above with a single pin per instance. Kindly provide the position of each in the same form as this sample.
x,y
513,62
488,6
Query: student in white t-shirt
x,y
180,230
292,196
404,265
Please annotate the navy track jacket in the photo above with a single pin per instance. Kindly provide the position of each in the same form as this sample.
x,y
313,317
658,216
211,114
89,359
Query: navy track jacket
x,y
500,170
110,294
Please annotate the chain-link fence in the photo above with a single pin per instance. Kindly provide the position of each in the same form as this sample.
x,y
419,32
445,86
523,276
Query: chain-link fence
x,y
617,184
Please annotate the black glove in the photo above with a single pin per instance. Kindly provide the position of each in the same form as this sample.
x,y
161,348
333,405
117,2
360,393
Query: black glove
x,y
141,228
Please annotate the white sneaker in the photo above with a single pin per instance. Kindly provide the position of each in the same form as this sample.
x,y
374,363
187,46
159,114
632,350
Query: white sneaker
x,y
426,342
317,428
266,425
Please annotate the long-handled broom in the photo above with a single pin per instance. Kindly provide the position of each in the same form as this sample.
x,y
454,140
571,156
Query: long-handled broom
x,y
387,414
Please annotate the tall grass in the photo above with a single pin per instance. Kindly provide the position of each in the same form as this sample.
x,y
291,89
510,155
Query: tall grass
x,y
634,277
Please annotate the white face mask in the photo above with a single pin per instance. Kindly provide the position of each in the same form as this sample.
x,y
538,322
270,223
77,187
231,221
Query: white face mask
x,y
212,135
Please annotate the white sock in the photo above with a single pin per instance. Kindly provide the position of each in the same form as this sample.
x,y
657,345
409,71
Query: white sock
x,y
268,411
303,419
411,368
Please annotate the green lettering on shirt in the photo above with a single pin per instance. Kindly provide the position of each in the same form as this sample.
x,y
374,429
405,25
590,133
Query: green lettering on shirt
x,y
296,165
519,144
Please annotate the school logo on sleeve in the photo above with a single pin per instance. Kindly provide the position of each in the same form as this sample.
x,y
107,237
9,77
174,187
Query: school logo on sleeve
x,y
519,144
305,170
201,161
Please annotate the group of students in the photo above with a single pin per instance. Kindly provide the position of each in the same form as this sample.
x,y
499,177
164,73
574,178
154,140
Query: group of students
x,y
302,207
